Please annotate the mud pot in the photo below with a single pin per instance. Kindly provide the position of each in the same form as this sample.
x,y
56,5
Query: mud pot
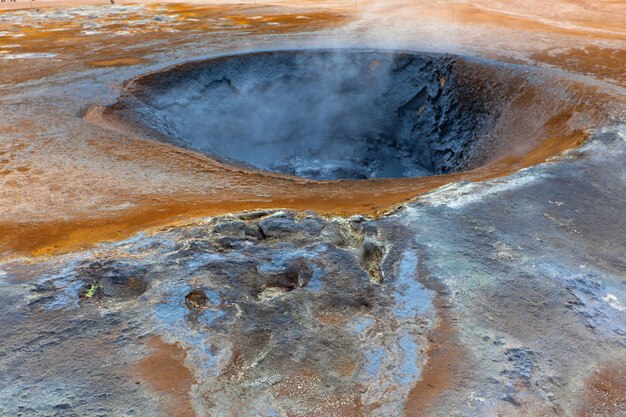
x,y
346,113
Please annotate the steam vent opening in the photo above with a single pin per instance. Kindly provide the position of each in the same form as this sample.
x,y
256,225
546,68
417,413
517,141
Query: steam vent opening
x,y
333,114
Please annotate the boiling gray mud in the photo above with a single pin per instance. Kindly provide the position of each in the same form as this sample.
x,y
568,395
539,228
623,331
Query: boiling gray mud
x,y
332,114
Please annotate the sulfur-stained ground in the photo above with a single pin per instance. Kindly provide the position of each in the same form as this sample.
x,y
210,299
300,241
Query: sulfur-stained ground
x,y
132,284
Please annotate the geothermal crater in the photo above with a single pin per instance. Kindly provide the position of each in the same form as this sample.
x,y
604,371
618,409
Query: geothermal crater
x,y
333,114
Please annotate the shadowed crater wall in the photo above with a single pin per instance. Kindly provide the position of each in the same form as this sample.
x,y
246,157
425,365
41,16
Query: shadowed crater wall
x,y
334,114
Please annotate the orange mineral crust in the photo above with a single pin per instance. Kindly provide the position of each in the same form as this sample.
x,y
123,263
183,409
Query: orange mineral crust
x,y
368,197
66,191
163,369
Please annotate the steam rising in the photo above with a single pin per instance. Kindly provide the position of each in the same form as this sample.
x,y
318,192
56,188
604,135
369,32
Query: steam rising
x,y
334,114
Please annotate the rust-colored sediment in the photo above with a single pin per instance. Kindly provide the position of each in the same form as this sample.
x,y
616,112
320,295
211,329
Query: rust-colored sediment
x,y
118,62
599,62
482,14
164,371
305,386
605,392
129,40
440,373
446,358
369,197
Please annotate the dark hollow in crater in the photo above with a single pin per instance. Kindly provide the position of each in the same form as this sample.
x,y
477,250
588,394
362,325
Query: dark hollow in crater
x,y
333,114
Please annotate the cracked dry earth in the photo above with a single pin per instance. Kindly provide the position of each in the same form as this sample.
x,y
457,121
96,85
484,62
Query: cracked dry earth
x,y
139,278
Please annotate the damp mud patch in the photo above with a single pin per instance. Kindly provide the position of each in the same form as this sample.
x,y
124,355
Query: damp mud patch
x,y
346,114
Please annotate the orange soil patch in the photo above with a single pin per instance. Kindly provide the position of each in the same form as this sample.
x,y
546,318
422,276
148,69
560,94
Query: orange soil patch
x,y
603,63
369,197
305,386
592,15
121,40
592,24
445,360
440,373
164,371
605,393
118,62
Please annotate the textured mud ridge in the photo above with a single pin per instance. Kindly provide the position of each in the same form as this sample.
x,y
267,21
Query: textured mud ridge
x,y
331,114
274,311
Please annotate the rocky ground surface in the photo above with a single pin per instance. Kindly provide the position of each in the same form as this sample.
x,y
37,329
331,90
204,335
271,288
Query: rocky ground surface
x,y
140,279
283,313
